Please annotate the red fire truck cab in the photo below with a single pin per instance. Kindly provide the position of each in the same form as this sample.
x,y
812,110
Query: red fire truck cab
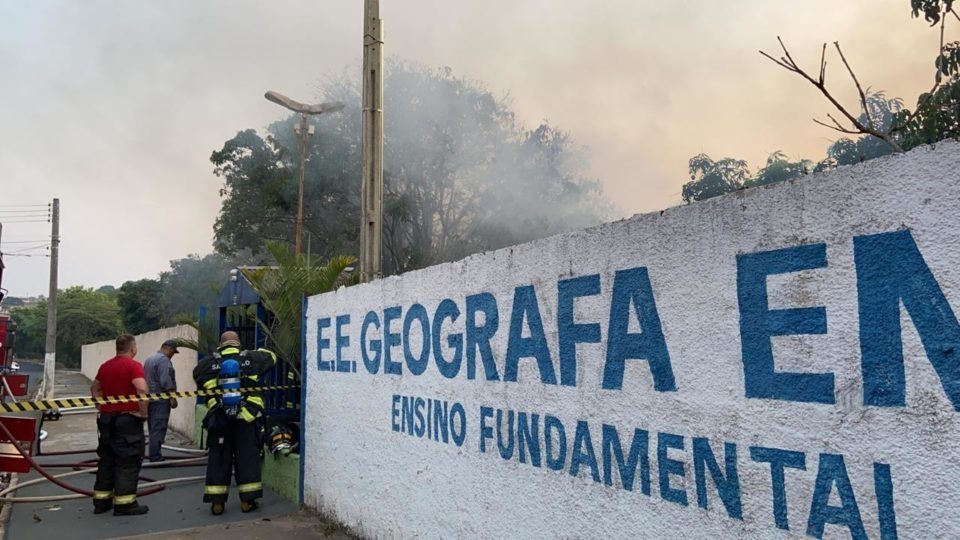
x,y
6,329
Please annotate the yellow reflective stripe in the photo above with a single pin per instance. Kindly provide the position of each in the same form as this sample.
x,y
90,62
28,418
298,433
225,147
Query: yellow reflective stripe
x,y
230,350
212,383
211,403
252,486
246,416
272,354
102,494
215,490
125,499
256,401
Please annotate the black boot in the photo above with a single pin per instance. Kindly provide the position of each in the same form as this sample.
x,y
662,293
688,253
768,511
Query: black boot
x,y
131,510
249,506
104,506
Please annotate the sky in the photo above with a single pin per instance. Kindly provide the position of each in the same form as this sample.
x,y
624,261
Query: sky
x,y
115,107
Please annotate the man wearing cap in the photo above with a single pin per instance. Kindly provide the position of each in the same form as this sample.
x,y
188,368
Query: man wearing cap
x,y
160,378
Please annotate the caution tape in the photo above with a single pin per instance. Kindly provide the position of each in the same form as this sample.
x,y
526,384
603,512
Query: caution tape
x,y
75,402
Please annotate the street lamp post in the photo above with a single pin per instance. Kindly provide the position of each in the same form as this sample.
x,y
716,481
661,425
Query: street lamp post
x,y
303,130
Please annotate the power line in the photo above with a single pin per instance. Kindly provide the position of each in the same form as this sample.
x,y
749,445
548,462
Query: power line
x,y
5,242
27,221
24,255
26,249
24,205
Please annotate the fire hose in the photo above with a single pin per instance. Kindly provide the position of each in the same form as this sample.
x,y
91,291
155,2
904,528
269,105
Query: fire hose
x,y
152,486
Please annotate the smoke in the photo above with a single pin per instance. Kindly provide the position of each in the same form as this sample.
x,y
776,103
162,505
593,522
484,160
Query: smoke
x,y
114,106
462,174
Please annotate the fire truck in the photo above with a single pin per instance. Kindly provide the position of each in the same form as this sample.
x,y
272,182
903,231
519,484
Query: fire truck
x,y
6,330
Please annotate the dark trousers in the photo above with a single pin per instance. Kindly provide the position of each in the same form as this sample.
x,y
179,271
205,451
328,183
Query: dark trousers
x,y
158,417
120,447
234,448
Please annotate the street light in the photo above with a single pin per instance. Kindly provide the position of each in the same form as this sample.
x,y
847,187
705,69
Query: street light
x,y
303,131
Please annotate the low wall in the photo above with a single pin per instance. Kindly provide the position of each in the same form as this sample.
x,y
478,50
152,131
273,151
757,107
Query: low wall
x,y
181,418
779,361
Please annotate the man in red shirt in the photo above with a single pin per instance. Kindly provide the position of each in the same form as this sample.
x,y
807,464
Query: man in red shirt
x,y
120,426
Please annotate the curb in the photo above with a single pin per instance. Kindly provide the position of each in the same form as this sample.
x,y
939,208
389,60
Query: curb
x,y
7,508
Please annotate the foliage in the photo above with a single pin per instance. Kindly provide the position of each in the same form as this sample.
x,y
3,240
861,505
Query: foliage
x,y
709,178
108,290
931,9
195,281
884,125
883,112
83,316
713,178
141,305
31,323
208,334
12,302
778,169
938,119
461,175
178,295
282,288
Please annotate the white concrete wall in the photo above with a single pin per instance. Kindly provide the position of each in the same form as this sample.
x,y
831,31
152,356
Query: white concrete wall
x,y
855,467
181,418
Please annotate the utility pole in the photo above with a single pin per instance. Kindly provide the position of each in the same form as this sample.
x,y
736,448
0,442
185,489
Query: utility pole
x,y
303,131
50,355
371,193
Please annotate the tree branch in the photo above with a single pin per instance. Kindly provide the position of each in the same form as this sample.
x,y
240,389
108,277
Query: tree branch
x,y
789,64
823,64
863,96
838,127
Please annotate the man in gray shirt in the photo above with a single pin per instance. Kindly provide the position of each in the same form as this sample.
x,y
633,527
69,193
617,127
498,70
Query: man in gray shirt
x,y
160,378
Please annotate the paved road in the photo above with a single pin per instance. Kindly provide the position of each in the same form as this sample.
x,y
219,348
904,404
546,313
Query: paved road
x,y
175,509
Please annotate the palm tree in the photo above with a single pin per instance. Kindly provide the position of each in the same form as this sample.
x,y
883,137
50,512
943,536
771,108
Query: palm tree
x,y
282,289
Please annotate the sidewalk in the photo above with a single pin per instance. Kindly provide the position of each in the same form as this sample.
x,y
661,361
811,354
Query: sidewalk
x,y
299,526
177,508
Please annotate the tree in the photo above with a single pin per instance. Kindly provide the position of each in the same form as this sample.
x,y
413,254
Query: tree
x,y
883,126
282,288
935,115
108,290
709,178
779,169
195,281
141,305
12,302
83,316
31,323
461,175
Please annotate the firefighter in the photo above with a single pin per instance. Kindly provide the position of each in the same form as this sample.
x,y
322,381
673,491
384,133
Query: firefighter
x,y
233,421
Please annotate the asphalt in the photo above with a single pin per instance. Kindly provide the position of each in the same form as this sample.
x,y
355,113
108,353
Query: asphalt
x,y
176,512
